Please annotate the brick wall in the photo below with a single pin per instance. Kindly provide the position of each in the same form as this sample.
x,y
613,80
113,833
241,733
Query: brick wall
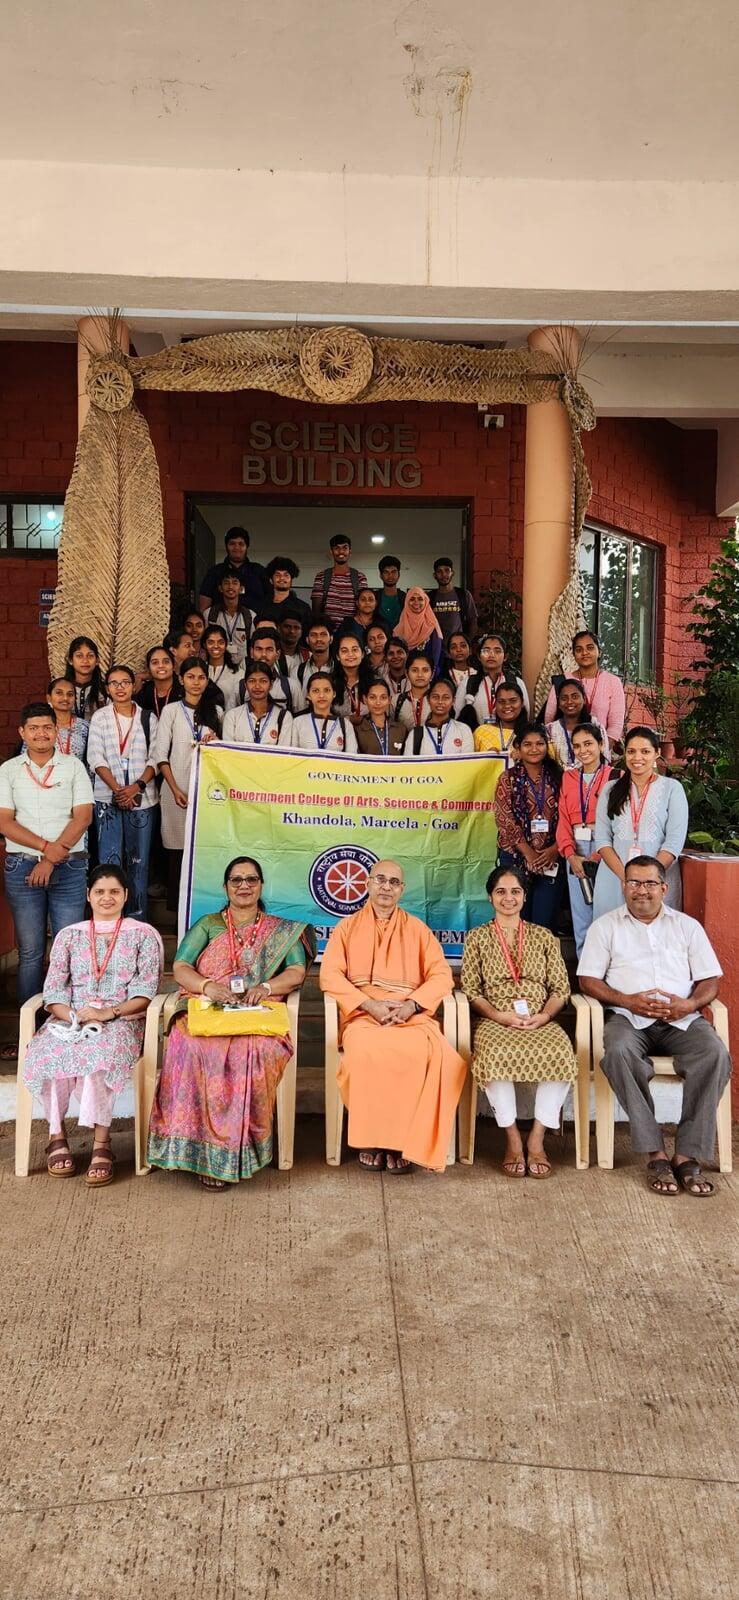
x,y
650,478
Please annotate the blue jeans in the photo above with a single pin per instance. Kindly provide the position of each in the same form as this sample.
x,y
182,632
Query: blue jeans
x,y
543,897
60,902
124,840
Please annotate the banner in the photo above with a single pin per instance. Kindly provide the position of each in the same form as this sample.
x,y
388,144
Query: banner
x,y
316,822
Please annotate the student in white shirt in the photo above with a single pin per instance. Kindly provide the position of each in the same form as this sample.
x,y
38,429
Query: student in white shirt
x,y
223,670
45,811
396,674
321,727
265,648
126,799
479,691
459,651
236,620
440,735
318,637
260,720
655,969
292,654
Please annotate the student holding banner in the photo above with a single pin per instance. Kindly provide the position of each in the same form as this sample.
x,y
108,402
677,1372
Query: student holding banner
x,y
320,727
440,735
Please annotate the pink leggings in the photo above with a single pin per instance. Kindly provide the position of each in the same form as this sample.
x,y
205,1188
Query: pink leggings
x,y
96,1101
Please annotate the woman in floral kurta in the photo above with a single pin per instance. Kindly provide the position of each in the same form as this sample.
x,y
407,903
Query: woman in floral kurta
x,y
516,981
94,1056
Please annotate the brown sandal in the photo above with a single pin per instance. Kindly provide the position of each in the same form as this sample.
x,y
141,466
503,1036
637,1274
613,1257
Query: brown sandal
x,y
101,1161
57,1151
541,1161
514,1166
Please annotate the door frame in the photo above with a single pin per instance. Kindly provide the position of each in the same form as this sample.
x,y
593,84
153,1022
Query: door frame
x,y
335,502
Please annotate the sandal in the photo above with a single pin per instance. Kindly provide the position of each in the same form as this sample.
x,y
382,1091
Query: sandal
x,y
397,1165
376,1161
101,1161
660,1173
515,1166
541,1162
57,1153
212,1184
687,1174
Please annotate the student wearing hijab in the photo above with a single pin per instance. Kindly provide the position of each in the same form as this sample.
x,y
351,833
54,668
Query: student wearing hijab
x,y
377,733
572,712
321,727
418,626
440,735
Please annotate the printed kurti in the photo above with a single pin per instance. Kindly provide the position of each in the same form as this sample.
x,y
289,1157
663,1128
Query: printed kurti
x,y
214,1105
516,805
545,1054
399,1082
134,970
663,826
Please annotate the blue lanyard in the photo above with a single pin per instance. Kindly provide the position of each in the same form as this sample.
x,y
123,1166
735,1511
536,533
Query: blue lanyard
x,y
539,796
438,736
323,738
258,727
381,741
570,750
505,743
190,720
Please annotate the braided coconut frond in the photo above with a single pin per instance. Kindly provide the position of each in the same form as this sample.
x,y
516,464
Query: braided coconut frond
x,y
113,577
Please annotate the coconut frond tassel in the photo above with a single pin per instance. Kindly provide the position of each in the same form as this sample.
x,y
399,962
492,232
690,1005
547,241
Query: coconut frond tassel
x,y
113,577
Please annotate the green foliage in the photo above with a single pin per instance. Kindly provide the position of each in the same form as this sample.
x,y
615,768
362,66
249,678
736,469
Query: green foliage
x,y
499,611
712,724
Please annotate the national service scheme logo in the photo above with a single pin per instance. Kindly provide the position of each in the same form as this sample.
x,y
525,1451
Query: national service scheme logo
x,y
338,879
216,792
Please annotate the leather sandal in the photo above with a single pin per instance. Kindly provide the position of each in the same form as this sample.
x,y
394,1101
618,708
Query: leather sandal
x,y
688,1173
542,1162
101,1161
660,1172
57,1152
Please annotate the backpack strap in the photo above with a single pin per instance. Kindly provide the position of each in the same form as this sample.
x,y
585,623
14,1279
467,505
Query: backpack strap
x,y
418,734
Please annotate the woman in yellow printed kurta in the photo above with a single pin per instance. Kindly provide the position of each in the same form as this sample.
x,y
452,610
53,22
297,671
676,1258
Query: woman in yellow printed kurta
x,y
515,979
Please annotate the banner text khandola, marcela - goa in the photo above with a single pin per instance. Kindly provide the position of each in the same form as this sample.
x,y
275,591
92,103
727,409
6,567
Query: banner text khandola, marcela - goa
x,y
316,822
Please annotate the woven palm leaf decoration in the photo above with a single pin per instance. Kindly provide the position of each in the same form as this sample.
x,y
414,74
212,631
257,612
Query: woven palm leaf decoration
x,y
113,578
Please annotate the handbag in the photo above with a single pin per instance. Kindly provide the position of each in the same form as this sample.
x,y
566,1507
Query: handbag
x,y
208,1021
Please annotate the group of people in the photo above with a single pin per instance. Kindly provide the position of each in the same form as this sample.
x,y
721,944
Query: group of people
x,y
103,775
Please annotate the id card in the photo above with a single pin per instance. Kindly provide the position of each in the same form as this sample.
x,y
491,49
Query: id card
x,y
236,984
634,851
521,1008
583,833
539,825
551,872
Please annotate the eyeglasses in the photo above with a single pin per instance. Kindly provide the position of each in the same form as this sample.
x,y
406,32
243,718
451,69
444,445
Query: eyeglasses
x,y
244,883
643,883
387,883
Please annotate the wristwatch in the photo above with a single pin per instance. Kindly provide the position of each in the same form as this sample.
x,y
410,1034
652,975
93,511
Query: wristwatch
x,y
268,987
141,785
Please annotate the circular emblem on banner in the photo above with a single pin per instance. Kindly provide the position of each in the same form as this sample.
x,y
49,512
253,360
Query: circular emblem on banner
x,y
216,792
338,879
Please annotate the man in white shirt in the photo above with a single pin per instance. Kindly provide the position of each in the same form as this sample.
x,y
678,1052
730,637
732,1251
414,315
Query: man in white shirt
x,y
654,969
45,811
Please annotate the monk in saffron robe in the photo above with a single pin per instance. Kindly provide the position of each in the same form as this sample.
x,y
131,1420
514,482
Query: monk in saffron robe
x,y
399,1078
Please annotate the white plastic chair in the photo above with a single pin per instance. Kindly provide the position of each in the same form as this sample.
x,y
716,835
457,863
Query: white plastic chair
x,y
605,1100
24,1098
334,1104
581,1086
160,1016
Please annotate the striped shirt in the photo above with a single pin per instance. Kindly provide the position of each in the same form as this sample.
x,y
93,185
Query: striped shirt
x,y
104,750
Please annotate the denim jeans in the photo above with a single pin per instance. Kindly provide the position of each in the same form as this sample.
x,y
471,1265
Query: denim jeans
x,y
60,902
124,840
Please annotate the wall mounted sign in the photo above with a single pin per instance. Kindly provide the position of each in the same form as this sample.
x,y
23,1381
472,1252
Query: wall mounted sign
x,y
332,455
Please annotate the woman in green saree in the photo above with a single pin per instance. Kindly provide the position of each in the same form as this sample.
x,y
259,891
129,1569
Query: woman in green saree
x,y
214,1105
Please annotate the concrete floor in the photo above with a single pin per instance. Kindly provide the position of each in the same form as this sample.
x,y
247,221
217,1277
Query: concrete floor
x,y
331,1385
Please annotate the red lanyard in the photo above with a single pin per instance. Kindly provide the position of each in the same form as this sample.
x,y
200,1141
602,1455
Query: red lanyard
x,y
66,750
489,694
123,739
418,710
238,942
161,700
589,698
636,811
592,792
353,692
44,782
99,972
516,972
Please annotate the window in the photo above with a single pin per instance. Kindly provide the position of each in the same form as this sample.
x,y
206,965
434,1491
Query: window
x,y
30,527
619,580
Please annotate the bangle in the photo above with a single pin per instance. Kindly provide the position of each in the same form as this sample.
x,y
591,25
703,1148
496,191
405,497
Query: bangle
x,y
44,845
205,985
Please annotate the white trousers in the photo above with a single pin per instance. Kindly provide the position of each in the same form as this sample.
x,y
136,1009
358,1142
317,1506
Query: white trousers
x,y
550,1098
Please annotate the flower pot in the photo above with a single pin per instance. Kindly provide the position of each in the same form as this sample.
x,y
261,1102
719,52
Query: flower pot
x,y
710,894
